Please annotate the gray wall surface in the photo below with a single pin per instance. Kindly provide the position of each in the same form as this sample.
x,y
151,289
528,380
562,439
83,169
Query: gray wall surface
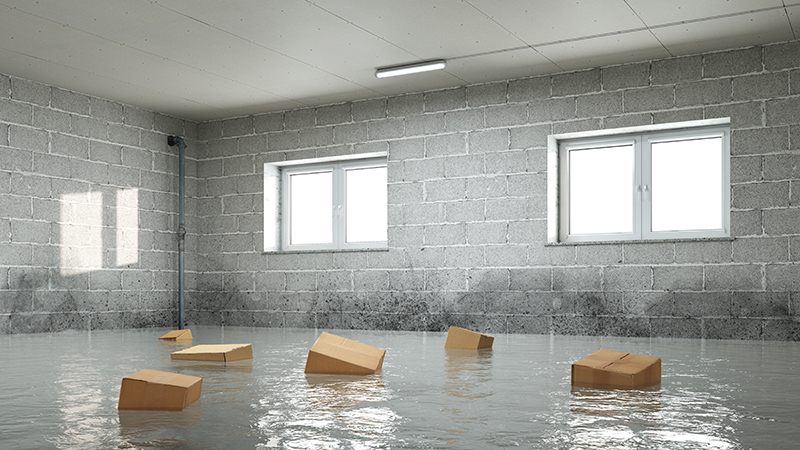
x,y
467,210
88,211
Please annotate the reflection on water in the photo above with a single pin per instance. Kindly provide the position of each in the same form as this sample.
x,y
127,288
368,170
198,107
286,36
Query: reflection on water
x,y
330,412
467,374
61,391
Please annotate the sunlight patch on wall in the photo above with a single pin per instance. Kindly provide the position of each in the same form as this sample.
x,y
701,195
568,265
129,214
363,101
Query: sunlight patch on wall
x,y
81,232
127,226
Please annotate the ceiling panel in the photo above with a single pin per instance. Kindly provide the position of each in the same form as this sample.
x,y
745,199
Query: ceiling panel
x,y
724,33
661,13
426,29
634,46
547,21
524,62
794,19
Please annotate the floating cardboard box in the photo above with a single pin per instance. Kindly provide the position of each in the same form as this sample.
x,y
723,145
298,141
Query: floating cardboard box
x,y
177,335
462,338
216,352
609,369
336,355
156,390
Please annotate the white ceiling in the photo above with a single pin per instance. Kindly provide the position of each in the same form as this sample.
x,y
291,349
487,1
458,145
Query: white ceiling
x,y
211,59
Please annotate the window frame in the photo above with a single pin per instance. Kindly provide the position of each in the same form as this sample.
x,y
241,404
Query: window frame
x,y
339,210
642,138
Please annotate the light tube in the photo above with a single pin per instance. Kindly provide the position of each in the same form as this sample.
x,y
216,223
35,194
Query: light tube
x,y
410,68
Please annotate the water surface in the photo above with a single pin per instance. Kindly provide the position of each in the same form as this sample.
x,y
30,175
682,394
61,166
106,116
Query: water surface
x,y
61,390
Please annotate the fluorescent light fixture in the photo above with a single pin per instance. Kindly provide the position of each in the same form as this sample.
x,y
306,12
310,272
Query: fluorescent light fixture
x,y
410,68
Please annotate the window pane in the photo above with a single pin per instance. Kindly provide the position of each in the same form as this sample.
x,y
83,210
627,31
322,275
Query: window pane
x,y
601,190
687,185
367,216
311,199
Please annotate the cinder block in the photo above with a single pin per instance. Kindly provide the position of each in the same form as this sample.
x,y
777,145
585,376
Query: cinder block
x,y
748,115
300,118
486,94
467,339
599,105
548,110
782,56
464,120
15,112
531,136
783,111
51,120
675,70
707,92
367,110
123,134
336,355
106,110
731,63
649,99
385,129
89,127
215,352
759,141
349,133
169,125
406,105
30,92
616,370
576,83
156,390
70,101
446,100
264,123
626,76
238,127
762,86
527,89
506,115
138,117
29,138
177,335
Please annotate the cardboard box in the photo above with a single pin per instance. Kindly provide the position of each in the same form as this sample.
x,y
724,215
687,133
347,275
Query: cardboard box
x,y
156,390
462,338
336,355
609,369
215,352
177,335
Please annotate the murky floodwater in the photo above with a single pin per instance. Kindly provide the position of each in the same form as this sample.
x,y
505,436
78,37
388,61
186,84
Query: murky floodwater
x,y
61,391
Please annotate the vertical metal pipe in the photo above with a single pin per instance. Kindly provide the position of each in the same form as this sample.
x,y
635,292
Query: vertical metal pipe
x,y
175,140
181,230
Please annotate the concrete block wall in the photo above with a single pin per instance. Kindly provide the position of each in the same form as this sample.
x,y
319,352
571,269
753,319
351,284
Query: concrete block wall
x,y
88,211
467,210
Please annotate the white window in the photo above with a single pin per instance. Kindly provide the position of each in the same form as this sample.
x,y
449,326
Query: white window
x,y
648,183
334,205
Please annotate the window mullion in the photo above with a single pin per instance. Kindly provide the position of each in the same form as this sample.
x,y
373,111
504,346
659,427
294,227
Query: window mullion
x,y
338,212
645,184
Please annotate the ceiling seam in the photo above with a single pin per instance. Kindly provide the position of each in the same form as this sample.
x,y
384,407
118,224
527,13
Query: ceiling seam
x,y
648,28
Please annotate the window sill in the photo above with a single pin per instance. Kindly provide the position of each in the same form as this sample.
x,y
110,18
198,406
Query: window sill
x,y
331,250
647,241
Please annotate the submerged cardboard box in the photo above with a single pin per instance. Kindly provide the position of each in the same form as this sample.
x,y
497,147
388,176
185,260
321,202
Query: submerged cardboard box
x,y
215,352
610,369
156,390
462,338
336,355
177,335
